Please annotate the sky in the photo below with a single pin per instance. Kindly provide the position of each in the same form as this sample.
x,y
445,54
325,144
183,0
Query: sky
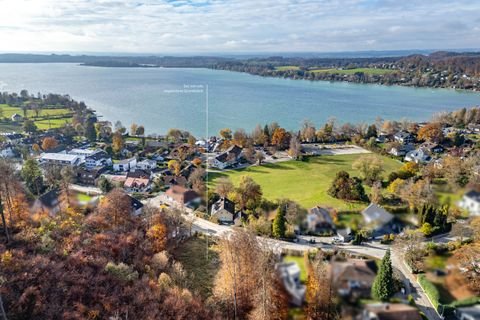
x,y
208,26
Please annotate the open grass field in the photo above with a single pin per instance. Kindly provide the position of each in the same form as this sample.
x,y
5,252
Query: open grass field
x,y
201,272
287,68
61,116
306,182
371,71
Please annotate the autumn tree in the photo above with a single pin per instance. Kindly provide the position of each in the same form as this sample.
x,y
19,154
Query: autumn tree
x,y
49,143
248,193
417,193
295,148
245,285
371,168
259,157
223,187
226,133
347,188
431,132
117,142
116,208
280,138
175,167
319,295
308,131
133,129
197,180
157,234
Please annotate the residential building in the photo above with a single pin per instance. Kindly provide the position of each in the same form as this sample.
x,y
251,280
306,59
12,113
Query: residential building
x,y
48,202
471,202
137,181
319,220
89,176
99,159
16,117
227,158
61,159
353,279
147,164
182,196
390,311
12,137
419,155
401,150
379,220
6,151
404,137
136,206
125,164
468,313
290,276
432,147
223,210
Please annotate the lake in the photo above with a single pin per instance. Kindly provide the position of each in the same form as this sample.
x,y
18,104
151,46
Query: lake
x,y
163,98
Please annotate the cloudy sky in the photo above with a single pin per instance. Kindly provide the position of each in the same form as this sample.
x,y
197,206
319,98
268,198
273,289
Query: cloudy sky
x,y
170,26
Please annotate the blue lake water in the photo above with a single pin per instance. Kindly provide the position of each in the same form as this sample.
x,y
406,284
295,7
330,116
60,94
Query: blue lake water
x,y
161,98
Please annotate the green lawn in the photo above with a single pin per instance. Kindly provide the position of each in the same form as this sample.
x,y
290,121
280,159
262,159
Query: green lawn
x,y
306,182
287,68
300,260
371,71
82,197
42,122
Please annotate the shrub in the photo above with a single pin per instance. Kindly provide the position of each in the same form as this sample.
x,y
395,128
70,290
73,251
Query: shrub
x,y
121,271
430,289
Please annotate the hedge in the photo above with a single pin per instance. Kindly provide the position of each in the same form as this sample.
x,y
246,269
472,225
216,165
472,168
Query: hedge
x,y
430,289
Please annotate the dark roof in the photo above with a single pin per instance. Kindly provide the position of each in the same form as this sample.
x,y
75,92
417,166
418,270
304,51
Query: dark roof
x,y
403,134
472,194
136,204
471,311
98,156
235,150
394,311
49,199
138,173
225,204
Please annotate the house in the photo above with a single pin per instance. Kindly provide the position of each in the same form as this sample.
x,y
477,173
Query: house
x,y
353,279
381,138
147,164
171,180
319,221
404,137
125,164
13,138
419,155
136,206
344,235
432,147
6,151
137,181
379,220
468,313
16,117
182,196
227,158
61,159
99,159
223,210
84,153
401,150
89,176
48,202
390,311
471,202
290,275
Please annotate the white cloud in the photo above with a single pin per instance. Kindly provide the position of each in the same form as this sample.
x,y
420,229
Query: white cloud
x,y
168,26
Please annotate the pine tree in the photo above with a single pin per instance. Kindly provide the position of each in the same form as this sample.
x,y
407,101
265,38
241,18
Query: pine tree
x,y
278,227
382,288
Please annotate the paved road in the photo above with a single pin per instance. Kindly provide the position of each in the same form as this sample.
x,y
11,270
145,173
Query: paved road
x,y
374,249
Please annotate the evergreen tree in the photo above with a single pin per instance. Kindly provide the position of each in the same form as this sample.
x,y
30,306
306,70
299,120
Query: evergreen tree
x,y
278,227
382,288
32,175
90,132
